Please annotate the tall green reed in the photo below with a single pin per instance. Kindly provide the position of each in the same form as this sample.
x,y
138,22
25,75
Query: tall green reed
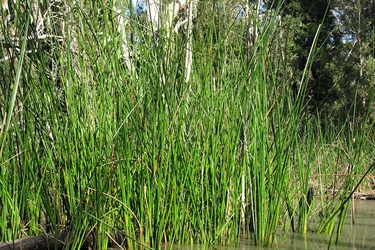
x,y
147,152
13,200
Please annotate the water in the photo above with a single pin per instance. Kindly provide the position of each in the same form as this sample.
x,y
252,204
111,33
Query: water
x,y
360,235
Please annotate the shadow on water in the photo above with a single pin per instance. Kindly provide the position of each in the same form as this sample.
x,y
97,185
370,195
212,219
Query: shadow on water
x,y
360,235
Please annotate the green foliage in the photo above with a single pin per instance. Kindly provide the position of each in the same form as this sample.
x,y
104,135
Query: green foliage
x,y
342,62
88,144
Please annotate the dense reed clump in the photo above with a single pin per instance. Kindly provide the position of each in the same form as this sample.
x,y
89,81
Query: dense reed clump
x,y
158,152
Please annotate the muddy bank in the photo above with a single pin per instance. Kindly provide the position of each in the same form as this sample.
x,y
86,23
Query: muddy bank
x,y
59,241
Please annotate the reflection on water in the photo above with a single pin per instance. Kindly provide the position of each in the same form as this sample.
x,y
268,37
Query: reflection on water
x,y
360,235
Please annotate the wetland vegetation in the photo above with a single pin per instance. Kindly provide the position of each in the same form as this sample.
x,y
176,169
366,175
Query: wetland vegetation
x,y
222,128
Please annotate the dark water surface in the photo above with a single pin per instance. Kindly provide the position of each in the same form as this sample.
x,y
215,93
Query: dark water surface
x,y
360,235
